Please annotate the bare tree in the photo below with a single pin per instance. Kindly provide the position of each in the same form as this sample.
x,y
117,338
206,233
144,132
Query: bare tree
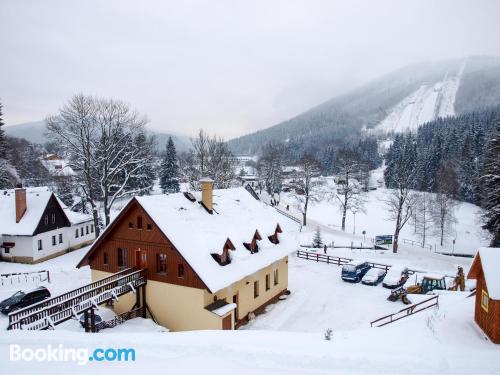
x,y
99,135
75,130
422,215
118,157
350,194
400,201
270,166
304,185
444,202
210,157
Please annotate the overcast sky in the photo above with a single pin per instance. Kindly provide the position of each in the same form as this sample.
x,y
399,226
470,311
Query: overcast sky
x,y
230,67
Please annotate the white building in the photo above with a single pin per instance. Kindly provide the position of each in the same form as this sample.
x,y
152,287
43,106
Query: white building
x,y
36,226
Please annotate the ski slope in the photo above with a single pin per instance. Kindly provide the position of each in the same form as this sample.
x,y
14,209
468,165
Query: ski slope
x,y
427,103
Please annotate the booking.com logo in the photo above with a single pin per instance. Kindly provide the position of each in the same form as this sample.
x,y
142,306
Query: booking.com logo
x,y
81,356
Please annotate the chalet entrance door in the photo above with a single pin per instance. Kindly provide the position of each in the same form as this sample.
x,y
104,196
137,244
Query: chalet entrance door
x,y
226,323
141,259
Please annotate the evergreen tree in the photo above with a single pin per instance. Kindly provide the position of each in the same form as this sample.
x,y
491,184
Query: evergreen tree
x,y
3,144
490,187
169,170
317,240
144,178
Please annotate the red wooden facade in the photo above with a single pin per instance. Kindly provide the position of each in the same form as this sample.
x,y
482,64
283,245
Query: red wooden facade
x,y
134,240
487,310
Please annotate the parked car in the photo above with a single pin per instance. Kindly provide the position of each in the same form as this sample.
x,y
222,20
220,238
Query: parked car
x,y
374,276
396,277
354,271
22,299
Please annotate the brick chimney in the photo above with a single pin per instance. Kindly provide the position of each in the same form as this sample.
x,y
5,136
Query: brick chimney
x,y
20,194
207,190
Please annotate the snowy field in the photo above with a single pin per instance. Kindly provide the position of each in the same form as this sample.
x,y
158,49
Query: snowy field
x,y
326,214
288,337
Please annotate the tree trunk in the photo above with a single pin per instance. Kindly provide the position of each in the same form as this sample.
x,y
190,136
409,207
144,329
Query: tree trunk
x,y
396,239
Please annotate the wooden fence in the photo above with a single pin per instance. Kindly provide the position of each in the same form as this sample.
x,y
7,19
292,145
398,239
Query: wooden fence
x,y
318,257
413,309
340,261
24,277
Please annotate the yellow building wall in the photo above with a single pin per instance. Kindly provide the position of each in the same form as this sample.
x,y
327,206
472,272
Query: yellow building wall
x,y
181,308
175,307
245,289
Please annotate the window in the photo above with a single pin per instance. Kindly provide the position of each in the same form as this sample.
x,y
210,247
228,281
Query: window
x,y
54,242
105,259
149,227
46,219
130,225
60,238
139,222
76,233
268,281
161,263
40,245
91,228
485,298
255,289
53,218
86,229
180,270
276,280
122,257
81,231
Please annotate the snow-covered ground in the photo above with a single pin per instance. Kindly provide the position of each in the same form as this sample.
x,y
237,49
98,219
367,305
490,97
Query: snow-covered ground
x,y
288,337
466,232
425,104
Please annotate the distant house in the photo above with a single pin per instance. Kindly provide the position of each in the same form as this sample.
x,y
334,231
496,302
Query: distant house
x,y
486,270
35,225
57,166
210,263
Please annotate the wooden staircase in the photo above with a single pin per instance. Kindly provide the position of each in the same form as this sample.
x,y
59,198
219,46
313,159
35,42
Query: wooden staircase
x,y
55,310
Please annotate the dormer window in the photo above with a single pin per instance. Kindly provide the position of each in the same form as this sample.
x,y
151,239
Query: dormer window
x,y
224,258
253,246
274,237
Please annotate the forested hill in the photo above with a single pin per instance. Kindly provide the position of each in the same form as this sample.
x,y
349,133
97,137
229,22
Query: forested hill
x,y
341,119
454,146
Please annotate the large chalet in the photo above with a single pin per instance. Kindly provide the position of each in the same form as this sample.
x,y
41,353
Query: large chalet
x,y
210,263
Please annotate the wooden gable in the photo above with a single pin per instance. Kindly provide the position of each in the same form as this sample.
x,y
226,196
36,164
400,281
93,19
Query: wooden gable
x,y
53,217
135,233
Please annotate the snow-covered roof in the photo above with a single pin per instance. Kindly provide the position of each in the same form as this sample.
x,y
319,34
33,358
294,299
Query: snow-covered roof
x,y
490,263
57,167
36,201
196,234
74,217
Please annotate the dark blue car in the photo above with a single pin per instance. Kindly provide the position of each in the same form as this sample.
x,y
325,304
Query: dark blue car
x,y
354,271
